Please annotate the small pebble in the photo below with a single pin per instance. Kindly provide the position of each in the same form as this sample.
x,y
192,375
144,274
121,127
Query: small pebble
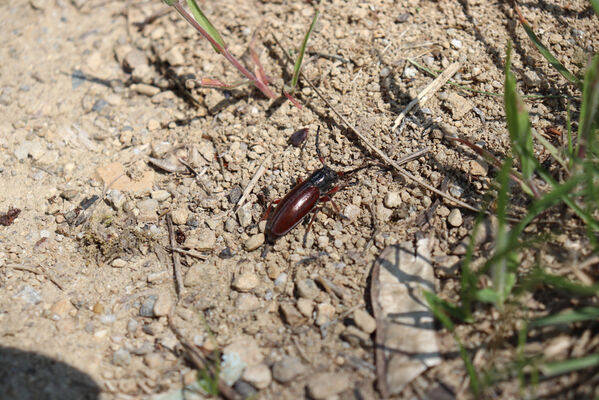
x,y
147,307
281,279
132,326
160,195
235,194
121,357
29,294
156,277
244,216
364,321
98,308
118,263
246,282
247,302
456,44
392,200
62,307
478,168
254,242
258,375
307,289
163,304
287,369
116,199
455,218
305,307
324,313
290,315
201,240
351,211
145,89
147,210
326,385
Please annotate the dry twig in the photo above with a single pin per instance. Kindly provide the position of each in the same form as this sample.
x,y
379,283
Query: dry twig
x,y
175,256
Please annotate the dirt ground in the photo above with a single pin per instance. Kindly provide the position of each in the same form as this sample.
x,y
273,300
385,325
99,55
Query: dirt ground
x,y
89,93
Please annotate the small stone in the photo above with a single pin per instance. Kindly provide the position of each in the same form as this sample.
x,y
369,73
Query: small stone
x,y
247,302
201,240
392,200
156,277
442,211
147,90
134,59
132,326
351,211
456,43
62,307
458,105
305,307
98,308
163,304
281,279
248,349
531,79
180,215
147,307
153,361
160,195
147,211
246,390
307,289
356,337
291,316
258,376
410,72
121,357
287,369
29,294
364,321
114,174
206,148
324,313
323,386
174,57
118,263
235,194
478,168
196,274
116,199
254,242
455,217
153,125
244,216
245,282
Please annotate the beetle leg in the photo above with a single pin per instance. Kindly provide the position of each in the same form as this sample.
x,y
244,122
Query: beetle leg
x,y
314,212
269,209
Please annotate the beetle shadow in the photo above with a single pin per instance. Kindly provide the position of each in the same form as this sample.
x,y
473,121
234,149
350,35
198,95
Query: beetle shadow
x,y
27,375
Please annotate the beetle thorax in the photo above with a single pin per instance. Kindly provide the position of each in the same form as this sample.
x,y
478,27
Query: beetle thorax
x,y
324,179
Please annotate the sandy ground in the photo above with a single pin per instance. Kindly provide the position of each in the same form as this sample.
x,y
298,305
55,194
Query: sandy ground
x,y
88,93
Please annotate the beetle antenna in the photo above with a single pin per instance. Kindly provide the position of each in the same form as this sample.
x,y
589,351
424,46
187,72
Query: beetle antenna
x,y
318,147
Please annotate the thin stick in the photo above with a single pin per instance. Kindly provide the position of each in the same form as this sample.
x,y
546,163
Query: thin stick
x,y
175,256
190,253
381,154
36,272
248,189
427,92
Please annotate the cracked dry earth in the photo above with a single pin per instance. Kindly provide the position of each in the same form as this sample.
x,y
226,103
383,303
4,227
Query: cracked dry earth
x,y
89,95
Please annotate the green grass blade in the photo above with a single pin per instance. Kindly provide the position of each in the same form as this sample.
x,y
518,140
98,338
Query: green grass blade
x,y
589,106
571,365
435,303
538,277
500,270
546,53
205,24
582,314
595,4
300,57
518,122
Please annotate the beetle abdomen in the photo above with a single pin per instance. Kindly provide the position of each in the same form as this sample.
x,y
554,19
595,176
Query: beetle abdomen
x,y
291,210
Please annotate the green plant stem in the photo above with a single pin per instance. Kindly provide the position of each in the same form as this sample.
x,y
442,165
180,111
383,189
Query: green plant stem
x,y
191,20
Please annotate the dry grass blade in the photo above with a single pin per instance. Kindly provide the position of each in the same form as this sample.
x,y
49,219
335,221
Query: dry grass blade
x,y
175,256
248,189
427,92
405,174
